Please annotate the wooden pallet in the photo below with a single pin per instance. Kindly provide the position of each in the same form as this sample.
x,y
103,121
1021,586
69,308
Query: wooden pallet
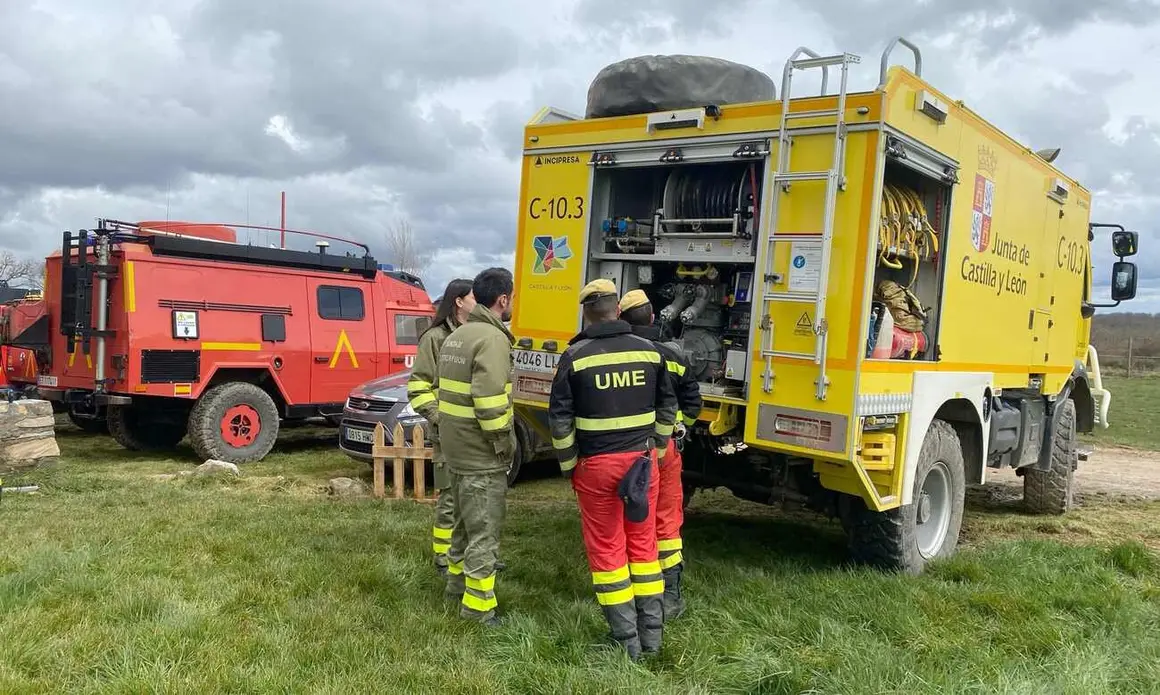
x,y
418,453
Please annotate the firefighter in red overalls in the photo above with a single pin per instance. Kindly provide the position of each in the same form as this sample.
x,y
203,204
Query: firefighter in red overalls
x,y
611,412
636,309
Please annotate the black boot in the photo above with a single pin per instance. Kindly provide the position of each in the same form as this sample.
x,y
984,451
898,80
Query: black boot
x,y
650,621
674,603
622,622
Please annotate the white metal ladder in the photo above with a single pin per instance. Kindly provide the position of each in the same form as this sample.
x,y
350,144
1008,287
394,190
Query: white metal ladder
x,y
835,179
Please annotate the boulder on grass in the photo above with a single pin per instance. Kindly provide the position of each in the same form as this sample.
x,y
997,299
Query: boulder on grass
x,y
27,435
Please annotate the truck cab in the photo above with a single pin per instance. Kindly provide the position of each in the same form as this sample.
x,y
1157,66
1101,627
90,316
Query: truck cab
x,y
171,330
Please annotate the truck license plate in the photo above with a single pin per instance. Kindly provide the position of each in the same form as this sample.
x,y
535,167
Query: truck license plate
x,y
536,361
360,436
46,380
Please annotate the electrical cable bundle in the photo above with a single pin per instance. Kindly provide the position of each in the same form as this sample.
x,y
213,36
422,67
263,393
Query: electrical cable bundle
x,y
905,229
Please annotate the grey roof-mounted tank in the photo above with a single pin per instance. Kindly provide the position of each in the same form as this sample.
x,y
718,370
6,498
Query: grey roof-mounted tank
x,y
651,83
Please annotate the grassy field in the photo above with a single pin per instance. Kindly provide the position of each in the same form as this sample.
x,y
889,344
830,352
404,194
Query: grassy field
x,y
113,580
1134,401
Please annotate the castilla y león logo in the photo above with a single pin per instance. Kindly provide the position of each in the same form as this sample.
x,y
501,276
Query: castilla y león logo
x,y
550,253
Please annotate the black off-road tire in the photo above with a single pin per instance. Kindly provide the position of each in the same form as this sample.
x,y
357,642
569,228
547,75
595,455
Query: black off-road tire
x,y
89,425
889,540
132,428
206,423
1053,491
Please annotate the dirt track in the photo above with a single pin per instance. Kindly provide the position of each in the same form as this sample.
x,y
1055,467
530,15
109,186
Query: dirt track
x,y
1108,472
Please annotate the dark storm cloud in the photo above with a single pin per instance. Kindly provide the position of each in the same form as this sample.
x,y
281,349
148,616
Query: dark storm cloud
x,y
345,76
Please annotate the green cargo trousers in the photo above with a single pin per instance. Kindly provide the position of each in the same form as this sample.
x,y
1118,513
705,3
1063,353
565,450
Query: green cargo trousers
x,y
444,516
480,506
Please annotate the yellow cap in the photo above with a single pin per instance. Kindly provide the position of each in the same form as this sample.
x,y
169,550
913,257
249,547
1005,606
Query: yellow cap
x,y
633,299
596,289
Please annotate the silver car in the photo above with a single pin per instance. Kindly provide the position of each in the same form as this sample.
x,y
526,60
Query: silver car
x,y
385,400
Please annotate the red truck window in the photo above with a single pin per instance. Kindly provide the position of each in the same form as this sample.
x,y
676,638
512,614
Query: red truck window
x,y
340,303
408,328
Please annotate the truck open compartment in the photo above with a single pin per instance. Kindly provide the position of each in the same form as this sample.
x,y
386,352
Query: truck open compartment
x,y
685,234
909,265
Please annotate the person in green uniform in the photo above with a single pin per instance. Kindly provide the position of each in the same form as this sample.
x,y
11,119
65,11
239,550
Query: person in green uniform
x,y
477,434
422,388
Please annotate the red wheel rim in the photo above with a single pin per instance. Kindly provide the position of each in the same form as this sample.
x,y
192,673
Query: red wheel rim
x,y
241,425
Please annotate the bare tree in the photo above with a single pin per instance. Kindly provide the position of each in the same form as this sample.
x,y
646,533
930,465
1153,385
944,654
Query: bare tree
x,y
21,272
404,251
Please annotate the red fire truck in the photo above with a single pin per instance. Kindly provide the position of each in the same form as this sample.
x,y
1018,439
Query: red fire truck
x,y
164,330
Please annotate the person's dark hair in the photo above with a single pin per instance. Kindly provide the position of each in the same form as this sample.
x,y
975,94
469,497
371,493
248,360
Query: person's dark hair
x,y
638,315
457,288
491,284
603,309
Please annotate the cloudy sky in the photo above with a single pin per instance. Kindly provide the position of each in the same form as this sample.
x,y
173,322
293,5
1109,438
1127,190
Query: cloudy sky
x,y
367,111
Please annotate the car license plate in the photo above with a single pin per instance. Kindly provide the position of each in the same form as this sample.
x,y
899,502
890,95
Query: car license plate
x,y
46,380
536,361
360,436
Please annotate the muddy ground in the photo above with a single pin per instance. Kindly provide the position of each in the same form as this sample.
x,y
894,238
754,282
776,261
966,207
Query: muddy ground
x,y
1109,472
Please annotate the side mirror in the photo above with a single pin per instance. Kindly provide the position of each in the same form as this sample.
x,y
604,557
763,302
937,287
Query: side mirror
x,y
1123,280
1125,244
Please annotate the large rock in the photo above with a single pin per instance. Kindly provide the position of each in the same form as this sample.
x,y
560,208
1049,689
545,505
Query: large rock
x,y
215,467
27,435
650,83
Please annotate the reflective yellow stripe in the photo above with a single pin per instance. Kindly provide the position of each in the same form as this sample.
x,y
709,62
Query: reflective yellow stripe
x,y
679,414
676,368
568,465
664,430
564,442
422,400
689,421
643,568
482,605
441,548
672,560
485,584
655,588
615,598
491,401
418,385
444,533
610,577
455,386
496,423
616,423
616,358
456,410
670,544
455,567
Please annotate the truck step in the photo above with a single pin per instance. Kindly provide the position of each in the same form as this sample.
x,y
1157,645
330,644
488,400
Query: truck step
x,y
825,61
817,113
790,176
790,297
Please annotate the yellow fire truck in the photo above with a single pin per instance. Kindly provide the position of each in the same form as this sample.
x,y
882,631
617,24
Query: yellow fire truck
x,y
882,294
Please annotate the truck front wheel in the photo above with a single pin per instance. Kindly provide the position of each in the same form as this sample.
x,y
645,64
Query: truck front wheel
x,y
1052,491
235,422
133,427
909,537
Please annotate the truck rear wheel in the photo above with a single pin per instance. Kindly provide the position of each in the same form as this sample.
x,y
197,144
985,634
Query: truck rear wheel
x,y
235,422
909,537
1052,491
132,427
